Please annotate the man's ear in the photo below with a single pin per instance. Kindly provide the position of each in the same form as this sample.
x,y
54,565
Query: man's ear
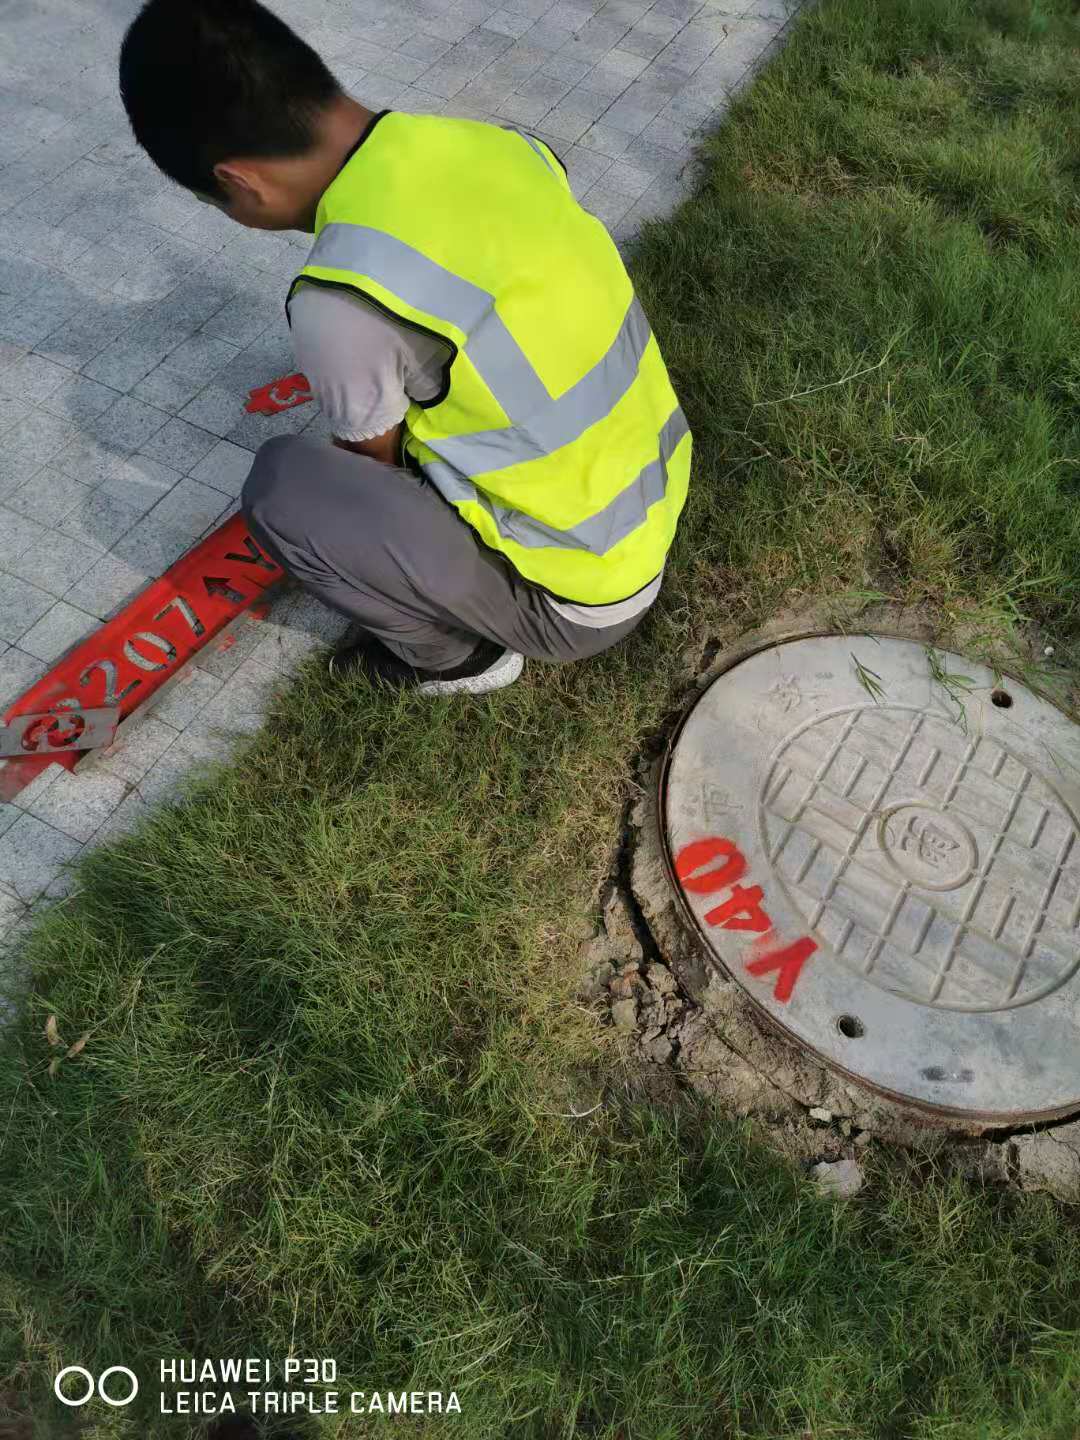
x,y
238,180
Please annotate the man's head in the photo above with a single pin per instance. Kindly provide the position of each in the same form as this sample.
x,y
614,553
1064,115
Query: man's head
x,y
230,103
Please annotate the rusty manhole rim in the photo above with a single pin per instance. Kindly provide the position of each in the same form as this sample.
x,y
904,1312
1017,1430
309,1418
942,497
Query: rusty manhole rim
x,y
984,1120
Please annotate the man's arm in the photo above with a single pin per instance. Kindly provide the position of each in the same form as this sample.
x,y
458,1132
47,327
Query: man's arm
x,y
359,362
382,447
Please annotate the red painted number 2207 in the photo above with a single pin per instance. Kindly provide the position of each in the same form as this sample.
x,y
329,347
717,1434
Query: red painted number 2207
x,y
705,867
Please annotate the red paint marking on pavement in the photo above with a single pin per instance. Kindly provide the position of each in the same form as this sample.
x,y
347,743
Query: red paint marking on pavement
x,y
278,395
131,656
789,960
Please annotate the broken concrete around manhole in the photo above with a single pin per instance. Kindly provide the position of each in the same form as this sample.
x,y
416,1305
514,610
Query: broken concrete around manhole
x,y
704,1026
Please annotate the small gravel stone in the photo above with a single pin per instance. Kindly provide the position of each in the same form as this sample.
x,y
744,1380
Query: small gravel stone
x,y
624,1014
839,1180
820,1116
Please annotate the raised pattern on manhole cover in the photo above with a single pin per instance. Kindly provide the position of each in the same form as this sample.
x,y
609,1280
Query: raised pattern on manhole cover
x,y
929,860
906,862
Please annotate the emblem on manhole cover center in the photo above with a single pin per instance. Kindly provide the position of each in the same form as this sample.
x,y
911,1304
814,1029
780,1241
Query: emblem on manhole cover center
x,y
930,847
931,862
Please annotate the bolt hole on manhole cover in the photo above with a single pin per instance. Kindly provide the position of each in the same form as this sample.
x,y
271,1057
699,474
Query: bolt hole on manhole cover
x,y
890,869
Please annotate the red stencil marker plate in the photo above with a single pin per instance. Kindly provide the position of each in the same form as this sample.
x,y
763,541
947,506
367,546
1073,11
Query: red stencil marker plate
x,y
131,656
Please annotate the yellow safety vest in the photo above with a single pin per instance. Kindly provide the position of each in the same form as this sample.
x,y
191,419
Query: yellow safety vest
x,y
556,433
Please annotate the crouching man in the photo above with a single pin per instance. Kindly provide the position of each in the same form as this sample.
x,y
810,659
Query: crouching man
x,y
509,458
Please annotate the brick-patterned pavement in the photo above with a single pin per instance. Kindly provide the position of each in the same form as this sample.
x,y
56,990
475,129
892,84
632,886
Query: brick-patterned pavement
x,y
135,320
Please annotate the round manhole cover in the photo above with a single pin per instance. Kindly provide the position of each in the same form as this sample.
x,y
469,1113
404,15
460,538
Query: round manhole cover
x,y
881,844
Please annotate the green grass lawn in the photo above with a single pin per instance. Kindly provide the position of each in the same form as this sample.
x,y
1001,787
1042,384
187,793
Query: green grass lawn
x,y
331,998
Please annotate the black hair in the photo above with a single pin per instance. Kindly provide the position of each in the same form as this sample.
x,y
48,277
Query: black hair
x,y
209,80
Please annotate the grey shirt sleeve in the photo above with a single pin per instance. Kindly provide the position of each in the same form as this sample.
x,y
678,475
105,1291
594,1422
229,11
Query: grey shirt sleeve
x,y
365,369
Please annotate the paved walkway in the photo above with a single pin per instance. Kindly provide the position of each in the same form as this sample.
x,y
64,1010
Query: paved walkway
x,y
134,321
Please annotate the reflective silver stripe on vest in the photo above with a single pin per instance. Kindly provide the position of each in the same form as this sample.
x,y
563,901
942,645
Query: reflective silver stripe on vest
x,y
428,286
561,421
532,140
543,424
600,532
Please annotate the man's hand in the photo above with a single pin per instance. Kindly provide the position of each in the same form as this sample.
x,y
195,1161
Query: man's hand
x,y
380,447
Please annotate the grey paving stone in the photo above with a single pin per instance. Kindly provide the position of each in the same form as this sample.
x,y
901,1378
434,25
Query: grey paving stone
x,y
12,410
584,168
140,483
32,378
41,781
89,459
202,357
214,409
508,22
662,198
631,115
57,631
123,821
18,671
80,802
54,563
629,11
682,10
38,437
129,422
446,78
240,705
251,431
123,364
17,534
21,606
523,111
228,651
602,34
99,520
47,497
416,102
533,8
166,390
546,35
107,586
225,468
569,121
139,744
154,545
608,204
79,398
424,46
606,141
295,626
628,179
161,272
10,353
676,139
189,505
185,763
185,696
243,319
643,42
32,854
8,815
180,445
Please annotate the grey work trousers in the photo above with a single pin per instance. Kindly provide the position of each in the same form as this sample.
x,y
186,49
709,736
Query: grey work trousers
x,y
383,547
